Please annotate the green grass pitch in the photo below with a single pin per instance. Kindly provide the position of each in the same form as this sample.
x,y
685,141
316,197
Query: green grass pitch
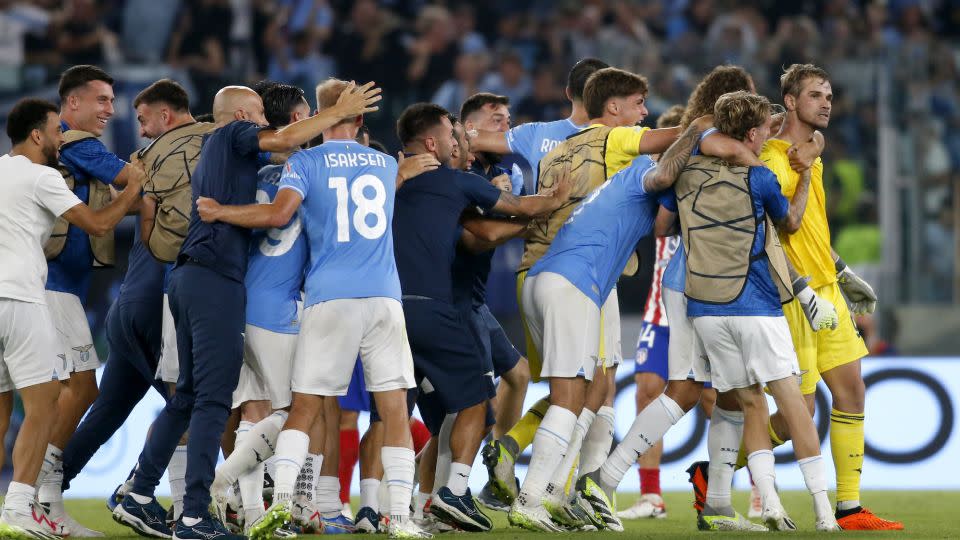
x,y
925,515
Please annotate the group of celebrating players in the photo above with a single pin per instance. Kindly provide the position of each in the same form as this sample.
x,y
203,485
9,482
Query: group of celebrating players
x,y
285,271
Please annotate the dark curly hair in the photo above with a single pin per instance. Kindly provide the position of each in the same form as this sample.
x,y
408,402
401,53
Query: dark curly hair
x,y
721,80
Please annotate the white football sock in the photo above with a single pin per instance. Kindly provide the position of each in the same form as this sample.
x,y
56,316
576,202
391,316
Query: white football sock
x,y
723,445
549,447
761,464
648,427
444,454
258,446
597,443
815,477
177,475
421,501
398,468
291,452
369,488
459,478
251,482
51,476
327,498
307,480
555,489
19,499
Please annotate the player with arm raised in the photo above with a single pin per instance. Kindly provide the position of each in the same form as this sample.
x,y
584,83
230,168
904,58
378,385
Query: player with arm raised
x,y
212,264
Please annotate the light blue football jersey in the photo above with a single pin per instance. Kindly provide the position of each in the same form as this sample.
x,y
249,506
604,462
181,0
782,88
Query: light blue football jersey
x,y
275,269
348,194
534,140
592,247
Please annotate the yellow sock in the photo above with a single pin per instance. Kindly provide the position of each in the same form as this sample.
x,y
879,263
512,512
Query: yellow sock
x,y
526,427
846,445
775,441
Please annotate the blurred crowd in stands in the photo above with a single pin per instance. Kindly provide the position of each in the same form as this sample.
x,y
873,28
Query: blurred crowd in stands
x,y
445,51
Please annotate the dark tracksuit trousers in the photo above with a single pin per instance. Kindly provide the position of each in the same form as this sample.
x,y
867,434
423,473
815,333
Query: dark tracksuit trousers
x,y
133,336
209,311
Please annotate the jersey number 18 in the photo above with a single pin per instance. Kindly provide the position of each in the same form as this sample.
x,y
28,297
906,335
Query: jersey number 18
x,y
365,207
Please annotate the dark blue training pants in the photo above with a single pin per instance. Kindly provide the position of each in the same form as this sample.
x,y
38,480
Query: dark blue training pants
x,y
209,313
133,337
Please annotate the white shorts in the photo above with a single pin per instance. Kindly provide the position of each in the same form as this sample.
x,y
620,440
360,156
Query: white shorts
x,y
564,325
612,350
70,322
745,351
168,369
29,348
334,332
267,364
684,348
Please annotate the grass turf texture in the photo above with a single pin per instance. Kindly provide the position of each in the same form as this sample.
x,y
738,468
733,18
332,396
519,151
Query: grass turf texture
x,y
924,514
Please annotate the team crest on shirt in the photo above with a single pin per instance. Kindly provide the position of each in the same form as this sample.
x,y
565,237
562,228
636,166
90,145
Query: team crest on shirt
x,y
84,351
641,357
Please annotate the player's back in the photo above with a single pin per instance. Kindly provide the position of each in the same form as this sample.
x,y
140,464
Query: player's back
x,y
348,199
534,140
277,264
598,238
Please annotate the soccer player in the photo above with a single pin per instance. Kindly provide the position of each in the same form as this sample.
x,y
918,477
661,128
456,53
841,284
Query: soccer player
x,y
346,192
489,112
833,356
133,322
212,265
650,373
33,196
86,96
736,280
531,141
451,371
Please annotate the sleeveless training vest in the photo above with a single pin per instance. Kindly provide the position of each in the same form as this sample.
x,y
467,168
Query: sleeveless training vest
x,y
719,227
585,152
169,162
98,196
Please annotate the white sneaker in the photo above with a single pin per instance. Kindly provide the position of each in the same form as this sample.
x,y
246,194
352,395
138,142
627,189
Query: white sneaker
x,y
71,527
533,518
756,503
828,524
347,511
433,525
406,529
647,506
777,519
306,515
33,525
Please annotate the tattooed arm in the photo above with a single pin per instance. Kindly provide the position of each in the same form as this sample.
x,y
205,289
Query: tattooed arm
x,y
674,159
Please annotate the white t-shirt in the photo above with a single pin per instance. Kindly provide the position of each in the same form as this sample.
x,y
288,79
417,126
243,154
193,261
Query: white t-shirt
x,y
31,198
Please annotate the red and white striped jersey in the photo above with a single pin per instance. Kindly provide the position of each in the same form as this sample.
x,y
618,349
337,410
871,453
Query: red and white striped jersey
x,y
654,312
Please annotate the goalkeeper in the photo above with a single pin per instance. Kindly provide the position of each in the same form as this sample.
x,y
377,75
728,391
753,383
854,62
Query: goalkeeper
x,y
834,355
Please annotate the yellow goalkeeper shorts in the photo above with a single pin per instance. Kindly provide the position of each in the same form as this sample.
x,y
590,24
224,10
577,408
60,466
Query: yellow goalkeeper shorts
x,y
822,351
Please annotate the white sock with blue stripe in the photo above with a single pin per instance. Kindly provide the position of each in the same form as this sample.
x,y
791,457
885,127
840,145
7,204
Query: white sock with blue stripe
x,y
549,448
398,470
291,452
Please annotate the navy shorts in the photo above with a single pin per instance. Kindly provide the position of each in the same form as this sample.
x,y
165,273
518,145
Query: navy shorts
x,y
448,360
652,348
496,345
432,413
357,398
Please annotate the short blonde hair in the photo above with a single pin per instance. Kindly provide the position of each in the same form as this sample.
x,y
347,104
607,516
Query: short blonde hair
x,y
738,112
328,92
671,117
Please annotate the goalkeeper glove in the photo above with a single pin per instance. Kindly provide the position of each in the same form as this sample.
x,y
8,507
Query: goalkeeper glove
x,y
820,313
859,292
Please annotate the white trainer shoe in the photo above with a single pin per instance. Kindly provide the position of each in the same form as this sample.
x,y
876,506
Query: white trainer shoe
x,y
647,506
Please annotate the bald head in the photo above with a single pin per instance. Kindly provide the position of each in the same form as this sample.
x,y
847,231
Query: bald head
x,y
238,103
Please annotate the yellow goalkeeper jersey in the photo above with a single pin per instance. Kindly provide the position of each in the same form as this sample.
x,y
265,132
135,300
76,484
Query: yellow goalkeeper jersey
x,y
809,248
